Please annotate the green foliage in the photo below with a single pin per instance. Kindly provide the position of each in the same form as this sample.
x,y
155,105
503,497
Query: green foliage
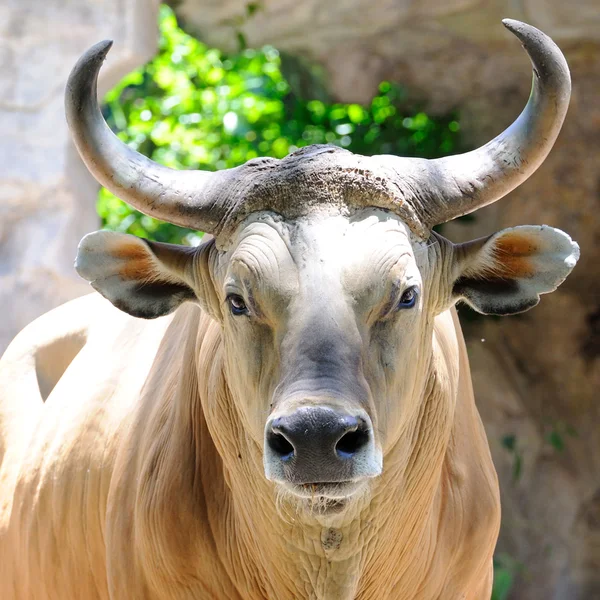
x,y
510,443
506,569
194,107
503,582
558,434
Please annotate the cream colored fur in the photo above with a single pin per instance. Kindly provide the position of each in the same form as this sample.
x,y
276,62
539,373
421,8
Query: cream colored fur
x,y
116,486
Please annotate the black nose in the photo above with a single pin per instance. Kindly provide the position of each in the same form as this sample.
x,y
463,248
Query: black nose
x,y
318,440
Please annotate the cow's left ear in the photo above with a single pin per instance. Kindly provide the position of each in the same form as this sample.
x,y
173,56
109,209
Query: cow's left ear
x,y
505,273
145,279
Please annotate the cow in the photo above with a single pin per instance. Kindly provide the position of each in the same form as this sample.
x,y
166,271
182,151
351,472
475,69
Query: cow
x,y
286,410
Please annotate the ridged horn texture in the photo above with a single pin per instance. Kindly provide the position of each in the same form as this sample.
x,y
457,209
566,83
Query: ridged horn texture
x,y
185,198
457,185
422,192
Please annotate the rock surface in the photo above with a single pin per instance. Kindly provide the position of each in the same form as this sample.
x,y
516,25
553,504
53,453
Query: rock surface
x,y
47,198
441,50
537,376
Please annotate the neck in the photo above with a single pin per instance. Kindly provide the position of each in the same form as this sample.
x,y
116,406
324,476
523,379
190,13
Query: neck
x,y
301,551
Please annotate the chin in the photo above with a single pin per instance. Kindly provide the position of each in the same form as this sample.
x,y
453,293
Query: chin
x,y
323,498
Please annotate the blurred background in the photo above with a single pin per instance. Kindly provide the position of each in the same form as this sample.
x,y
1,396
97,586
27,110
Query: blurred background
x,y
210,84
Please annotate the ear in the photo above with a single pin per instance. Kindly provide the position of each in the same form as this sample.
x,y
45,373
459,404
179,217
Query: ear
x,y
506,273
142,278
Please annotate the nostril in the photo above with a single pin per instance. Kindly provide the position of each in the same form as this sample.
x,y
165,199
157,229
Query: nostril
x,y
280,445
350,443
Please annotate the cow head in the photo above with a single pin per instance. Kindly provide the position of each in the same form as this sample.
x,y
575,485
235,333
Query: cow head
x,y
324,273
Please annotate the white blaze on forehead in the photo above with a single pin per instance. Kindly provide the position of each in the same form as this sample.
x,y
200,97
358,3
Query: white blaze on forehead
x,y
359,257
341,239
321,260
315,288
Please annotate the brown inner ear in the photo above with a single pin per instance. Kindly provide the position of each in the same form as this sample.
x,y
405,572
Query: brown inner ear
x,y
139,264
510,254
137,268
135,258
132,250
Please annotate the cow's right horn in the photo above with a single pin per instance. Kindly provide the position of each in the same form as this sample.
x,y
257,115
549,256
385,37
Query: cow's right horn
x,y
188,198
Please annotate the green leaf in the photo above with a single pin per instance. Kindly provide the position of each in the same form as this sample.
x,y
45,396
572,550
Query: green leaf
x,y
517,467
503,583
509,442
243,44
571,431
556,440
252,7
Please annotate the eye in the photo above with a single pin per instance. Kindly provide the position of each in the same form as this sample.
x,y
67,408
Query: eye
x,y
237,305
408,298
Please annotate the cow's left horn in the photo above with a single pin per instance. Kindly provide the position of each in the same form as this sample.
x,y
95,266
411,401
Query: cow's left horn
x,y
457,185
187,198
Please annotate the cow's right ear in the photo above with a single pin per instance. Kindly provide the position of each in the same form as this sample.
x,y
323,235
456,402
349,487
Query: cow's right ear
x,y
145,279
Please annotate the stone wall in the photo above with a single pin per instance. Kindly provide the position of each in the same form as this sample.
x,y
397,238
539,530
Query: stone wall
x,y
537,376
47,198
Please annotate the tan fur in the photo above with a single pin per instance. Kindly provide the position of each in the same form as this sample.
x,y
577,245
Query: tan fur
x,y
135,258
118,487
140,269
129,250
511,252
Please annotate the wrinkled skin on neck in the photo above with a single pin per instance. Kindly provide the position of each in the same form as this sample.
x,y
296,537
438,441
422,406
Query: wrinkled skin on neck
x,y
326,287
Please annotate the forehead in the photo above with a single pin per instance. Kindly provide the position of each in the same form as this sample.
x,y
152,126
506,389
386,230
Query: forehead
x,y
356,247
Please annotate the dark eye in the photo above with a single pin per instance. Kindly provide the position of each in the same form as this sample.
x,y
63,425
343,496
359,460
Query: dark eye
x,y
408,298
237,305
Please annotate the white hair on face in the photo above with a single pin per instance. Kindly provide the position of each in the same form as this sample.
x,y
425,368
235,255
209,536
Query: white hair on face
x,y
291,507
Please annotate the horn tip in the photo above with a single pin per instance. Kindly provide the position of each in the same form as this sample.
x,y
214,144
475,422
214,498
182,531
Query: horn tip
x,y
512,24
520,29
97,53
545,54
101,48
83,77
528,34
92,58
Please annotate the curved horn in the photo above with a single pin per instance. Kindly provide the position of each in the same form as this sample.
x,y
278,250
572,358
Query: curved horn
x,y
187,198
452,186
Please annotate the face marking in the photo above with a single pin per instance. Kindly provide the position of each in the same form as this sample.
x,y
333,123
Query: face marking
x,y
260,268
